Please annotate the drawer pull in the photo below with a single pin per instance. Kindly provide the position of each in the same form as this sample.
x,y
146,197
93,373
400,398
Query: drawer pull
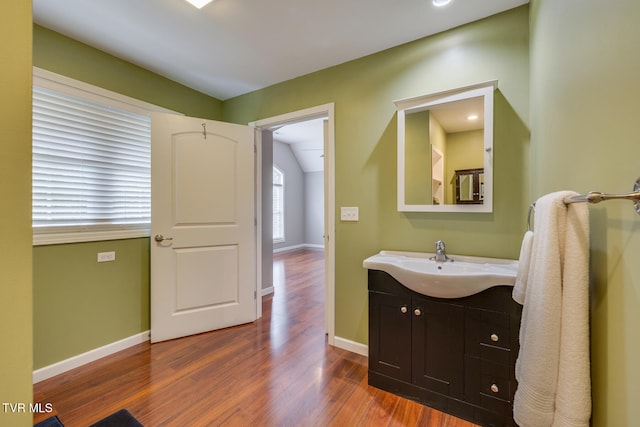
x,y
417,312
494,388
403,309
494,337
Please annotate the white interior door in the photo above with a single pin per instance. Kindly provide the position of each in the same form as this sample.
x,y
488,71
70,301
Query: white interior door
x,y
203,241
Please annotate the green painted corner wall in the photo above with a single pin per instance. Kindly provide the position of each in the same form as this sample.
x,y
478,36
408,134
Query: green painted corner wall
x,y
584,103
16,355
365,152
81,304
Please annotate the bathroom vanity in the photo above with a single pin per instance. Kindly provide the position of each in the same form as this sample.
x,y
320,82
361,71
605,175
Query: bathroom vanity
x,y
456,355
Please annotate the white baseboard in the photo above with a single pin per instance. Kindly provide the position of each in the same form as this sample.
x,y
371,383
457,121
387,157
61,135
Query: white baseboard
x,y
90,356
267,291
302,246
352,346
312,246
287,248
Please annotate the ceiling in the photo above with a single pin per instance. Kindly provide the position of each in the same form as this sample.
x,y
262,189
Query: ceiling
x,y
232,47
454,116
306,140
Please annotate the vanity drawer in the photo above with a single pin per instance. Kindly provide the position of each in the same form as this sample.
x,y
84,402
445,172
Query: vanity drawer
x,y
495,386
487,379
487,334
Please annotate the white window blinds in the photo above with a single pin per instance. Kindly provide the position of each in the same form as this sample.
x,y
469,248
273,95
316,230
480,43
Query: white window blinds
x,y
91,165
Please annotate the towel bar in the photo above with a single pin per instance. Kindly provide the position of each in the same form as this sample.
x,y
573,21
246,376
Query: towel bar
x,y
597,197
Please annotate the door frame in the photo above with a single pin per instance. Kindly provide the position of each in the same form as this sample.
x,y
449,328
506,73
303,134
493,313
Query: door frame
x,y
271,123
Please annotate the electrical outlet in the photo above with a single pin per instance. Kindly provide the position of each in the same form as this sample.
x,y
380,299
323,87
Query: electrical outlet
x,y
349,213
106,256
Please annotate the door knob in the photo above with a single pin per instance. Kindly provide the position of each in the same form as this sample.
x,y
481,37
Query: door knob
x,y
417,312
160,238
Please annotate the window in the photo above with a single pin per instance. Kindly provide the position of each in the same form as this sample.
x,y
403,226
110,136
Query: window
x,y
278,205
91,163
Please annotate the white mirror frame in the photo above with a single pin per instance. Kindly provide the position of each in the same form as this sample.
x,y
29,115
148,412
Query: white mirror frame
x,y
420,103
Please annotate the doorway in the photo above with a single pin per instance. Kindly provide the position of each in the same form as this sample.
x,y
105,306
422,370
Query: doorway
x,y
266,128
298,185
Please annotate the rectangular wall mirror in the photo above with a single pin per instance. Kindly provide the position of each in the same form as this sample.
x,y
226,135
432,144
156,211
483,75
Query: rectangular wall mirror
x,y
445,150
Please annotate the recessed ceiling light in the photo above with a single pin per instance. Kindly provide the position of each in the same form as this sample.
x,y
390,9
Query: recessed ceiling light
x,y
199,3
472,117
440,3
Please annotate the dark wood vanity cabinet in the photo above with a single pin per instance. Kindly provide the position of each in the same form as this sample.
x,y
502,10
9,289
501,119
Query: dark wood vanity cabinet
x,y
455,355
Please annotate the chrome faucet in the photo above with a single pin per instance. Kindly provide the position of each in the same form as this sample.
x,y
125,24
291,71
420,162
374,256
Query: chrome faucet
x,y
441,254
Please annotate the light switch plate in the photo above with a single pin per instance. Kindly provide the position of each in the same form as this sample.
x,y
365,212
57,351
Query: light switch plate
x,y
349,213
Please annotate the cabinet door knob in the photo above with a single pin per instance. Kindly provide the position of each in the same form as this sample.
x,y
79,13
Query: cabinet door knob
x,y
494,388
417,312
404,309
494,337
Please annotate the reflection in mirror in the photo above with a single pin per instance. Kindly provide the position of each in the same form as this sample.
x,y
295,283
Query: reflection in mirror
x,y
465,193
470,186
445,146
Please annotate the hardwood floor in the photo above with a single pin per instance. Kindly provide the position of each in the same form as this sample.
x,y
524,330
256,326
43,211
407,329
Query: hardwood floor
x,y
277,371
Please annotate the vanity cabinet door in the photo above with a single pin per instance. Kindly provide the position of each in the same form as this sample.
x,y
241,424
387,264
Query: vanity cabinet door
x,y
438,346
390,335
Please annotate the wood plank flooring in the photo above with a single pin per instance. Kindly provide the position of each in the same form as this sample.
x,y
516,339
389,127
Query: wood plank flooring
x,y
277,371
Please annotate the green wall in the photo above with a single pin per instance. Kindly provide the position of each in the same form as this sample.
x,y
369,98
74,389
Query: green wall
x,y
584,114
79,304
59,54
16,358
417,153
363,91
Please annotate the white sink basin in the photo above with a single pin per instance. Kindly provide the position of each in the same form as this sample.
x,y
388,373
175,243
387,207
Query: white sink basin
x,y
464,276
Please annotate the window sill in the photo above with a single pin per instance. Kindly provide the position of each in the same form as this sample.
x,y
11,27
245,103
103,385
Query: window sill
x,y
88,236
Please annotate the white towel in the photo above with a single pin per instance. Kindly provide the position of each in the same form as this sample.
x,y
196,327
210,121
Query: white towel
x,y
524,264
554,386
